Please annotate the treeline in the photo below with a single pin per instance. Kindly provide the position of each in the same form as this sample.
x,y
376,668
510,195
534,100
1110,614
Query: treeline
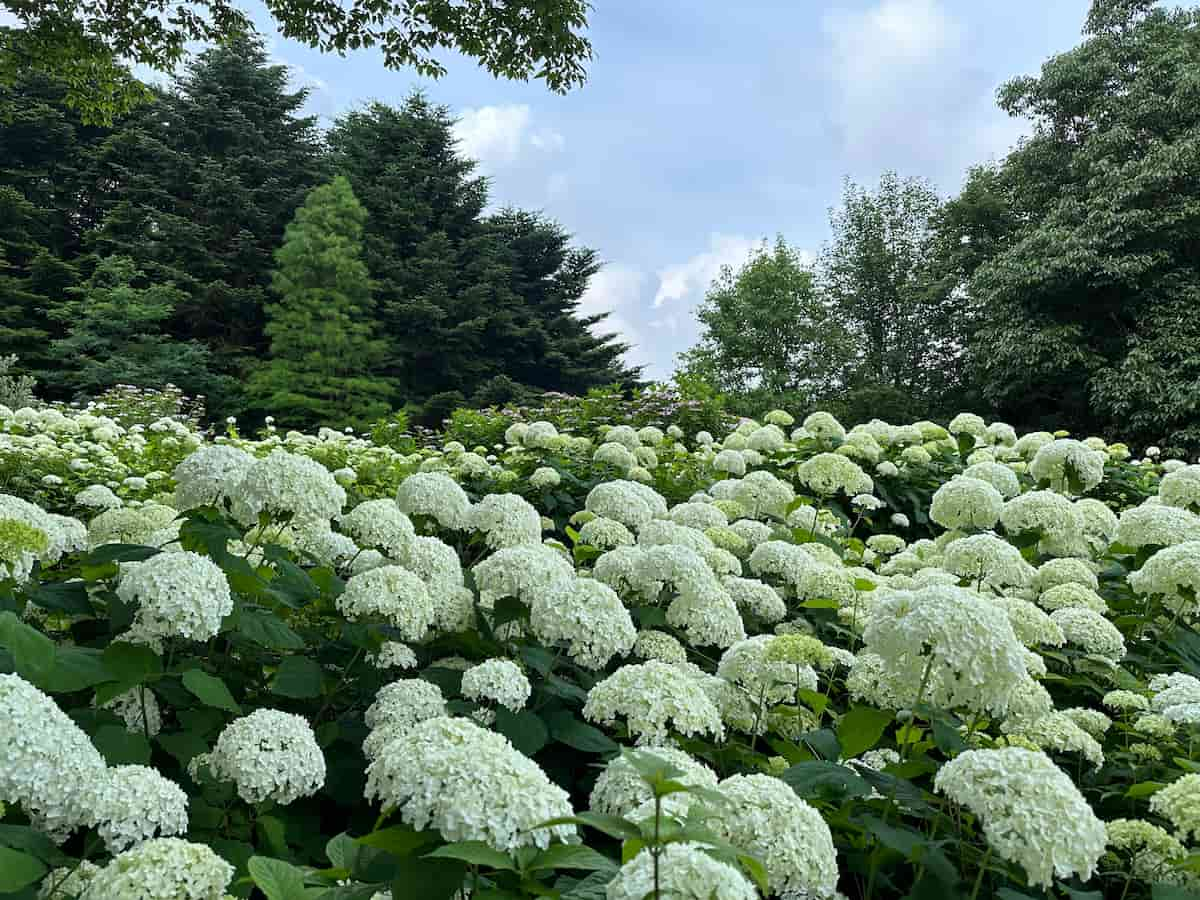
x,y
1060,289
153,250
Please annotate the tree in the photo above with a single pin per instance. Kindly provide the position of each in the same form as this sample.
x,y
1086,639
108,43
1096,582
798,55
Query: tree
x,y
1087,298
114,335
768,335
86,41
323,359
875,272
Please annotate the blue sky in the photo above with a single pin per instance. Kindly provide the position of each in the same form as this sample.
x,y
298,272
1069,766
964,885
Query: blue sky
x,y
707,125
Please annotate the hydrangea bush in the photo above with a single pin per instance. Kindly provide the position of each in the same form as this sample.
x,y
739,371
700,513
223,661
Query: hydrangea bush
x,y
594,658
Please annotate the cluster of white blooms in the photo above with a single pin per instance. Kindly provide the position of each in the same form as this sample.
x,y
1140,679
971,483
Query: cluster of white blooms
x,y
1179,804
763,495
1057,731
500,681
986,559
947,646
1032,626
397,708
620,788
506,520
210,476
1177,697
130,804
605,534
755,598
286,484
100,496
394,655
1181,488
151,524
748,665
522,572
1091,631
730,461
1172,573
829,473
627,502
998,475
1031,811
588,616
1072,594
379,525
708,616
652,644
544,477
765,817
470,784
653,698
1067,570
177,593
436,495
968,423
824,427
391,593
1156,525
966,504
162,869
269,755
1068,466
1152,852
49,763
684,872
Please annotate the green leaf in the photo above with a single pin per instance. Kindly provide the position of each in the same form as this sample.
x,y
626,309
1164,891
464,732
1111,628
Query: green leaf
x,y
23,837
525,729
861,728
111,553
398,840
184,745
298,677
566,729
32,651
477,853
825,780
592,887
18,870
121,747
277,879
266,629
428,879
132,664
613,826
824,744
291,584
1172,892
210,690
75,668
70,597
1144,789
572,856
912,846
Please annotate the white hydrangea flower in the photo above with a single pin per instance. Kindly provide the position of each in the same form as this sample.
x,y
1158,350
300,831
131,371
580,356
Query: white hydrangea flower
x,y
1153,853
1064,461
967,504
506,520
1125,701
654,697
651,644
768,439
68,883
747,665
764,816
1099,523
98,496
269,755
49,763
1172,573
605,534
436,495
162,869
286,484
708,617
1067,570
210,476
824,427
391,593
620,788
829,473
730,461
498,680
1091,631
394,655
397,708
1179,804
145,524
544,477
130,804
756,598
522,572
616,455
986,559
1031,811
627,502
1032,626
1058,731
968,423
763,495
1154,524
1181,488
1072,594
470,784
1051,515
379,525
698,515
947,646
177,593
686,872
588,616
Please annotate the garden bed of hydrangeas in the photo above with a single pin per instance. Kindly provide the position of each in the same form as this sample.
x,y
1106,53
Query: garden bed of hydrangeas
x,y
792,660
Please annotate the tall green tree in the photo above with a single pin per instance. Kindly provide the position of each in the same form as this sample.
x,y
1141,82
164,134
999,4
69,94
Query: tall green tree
x,y
87,41
324,356
199,186
1088,298
114,335
875,272
768,336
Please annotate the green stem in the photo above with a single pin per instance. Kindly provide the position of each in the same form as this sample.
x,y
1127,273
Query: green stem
x,y
979,877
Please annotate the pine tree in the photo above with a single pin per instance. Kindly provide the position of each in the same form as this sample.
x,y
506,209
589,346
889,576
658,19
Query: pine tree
x,y
114,335
323,358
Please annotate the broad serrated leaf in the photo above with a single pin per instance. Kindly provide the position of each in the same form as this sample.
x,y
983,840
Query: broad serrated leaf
x,y
861,728
297,677
18,869
210,690
476,853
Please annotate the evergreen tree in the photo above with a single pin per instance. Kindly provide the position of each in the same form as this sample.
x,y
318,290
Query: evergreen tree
x,y
114,335
200,185
323,355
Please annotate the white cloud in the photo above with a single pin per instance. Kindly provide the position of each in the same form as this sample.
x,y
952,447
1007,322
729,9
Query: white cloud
x,y
8,19
499,135
693,277
617,290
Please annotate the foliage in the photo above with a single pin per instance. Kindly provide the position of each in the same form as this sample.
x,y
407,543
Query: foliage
x,y
83,42
320,328
16,391
768,334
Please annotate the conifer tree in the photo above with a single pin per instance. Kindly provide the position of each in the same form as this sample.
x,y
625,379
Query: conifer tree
x,y
323,357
